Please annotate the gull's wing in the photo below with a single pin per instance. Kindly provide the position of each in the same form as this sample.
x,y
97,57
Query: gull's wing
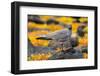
x,y
61,34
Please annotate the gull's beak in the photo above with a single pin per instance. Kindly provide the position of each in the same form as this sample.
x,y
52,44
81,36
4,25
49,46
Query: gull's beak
x,y
44,38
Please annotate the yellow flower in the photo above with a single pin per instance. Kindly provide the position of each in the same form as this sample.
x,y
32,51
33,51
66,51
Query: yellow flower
x,y
45,18
83,19
75,27
34,25
83,41
86,29
41,56
35,34
58,49
65,19
54,27
29,59
85,55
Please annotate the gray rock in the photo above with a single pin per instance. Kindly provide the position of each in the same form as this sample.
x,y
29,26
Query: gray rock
x,y
71,54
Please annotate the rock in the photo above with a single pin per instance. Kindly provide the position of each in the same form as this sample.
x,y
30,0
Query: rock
x,y
71,54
